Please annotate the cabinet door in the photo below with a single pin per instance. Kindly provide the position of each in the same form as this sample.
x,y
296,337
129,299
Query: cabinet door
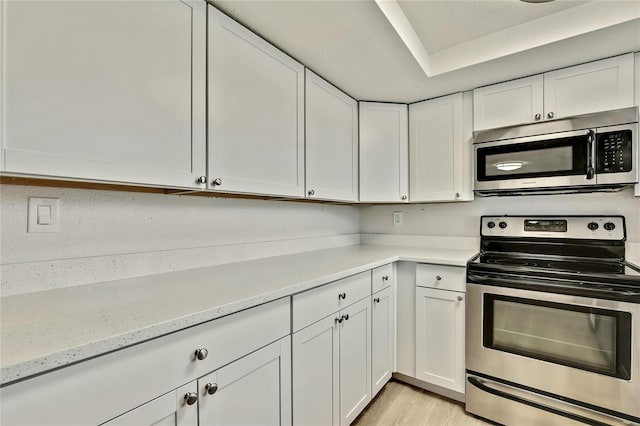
x,y
384,152
110,90
595,86
440,150
355,360
254,390
170,409
256,101
637,85
316,369
440,337
331,142
505,104
382,338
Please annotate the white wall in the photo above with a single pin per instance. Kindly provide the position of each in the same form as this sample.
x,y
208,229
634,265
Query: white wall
x,y
463,219
110,235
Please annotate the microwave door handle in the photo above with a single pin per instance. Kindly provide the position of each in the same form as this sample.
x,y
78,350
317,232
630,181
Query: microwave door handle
x,y
591,137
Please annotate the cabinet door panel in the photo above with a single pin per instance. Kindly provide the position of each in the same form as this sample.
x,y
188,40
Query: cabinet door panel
x,y
316,372
595,86
256,101
509,103
382,338
125,105
384,152
254,390
331,142
168,410
440,337
355,360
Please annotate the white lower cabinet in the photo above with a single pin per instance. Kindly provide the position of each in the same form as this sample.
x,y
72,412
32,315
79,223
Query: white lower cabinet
x,y
332,367
254,390
440,337
382,338
176,408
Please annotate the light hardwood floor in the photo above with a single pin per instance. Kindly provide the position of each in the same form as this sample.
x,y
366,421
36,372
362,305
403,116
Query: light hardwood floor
x,y
402,404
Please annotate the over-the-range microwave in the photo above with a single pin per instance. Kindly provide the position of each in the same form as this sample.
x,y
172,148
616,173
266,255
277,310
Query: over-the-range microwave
x,y
583,153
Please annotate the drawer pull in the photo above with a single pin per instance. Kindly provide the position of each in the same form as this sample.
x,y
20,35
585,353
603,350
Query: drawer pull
x,y
385,278
201,353
438,278
377,300
191,398
339,320
211,388
342,296
346,317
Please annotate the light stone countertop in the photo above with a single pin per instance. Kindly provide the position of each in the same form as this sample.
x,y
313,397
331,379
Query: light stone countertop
x,y
46,330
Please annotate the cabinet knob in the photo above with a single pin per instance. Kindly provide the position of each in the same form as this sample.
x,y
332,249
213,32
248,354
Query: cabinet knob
x,y
191,398
339,320
459,298
438,278
550,114
311,192
342,296
377,300
404,197
211,388
216,182
457,195
201,180
385,278
201,353
346,317
538,116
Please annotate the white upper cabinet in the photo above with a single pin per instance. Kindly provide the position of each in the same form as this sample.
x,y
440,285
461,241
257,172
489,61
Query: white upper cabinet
x,y
440,167
384,152
595,86
508,103
331,142
255,115
111,90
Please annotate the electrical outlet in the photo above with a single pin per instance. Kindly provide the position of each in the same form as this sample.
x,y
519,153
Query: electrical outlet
x,y
43,215
397,218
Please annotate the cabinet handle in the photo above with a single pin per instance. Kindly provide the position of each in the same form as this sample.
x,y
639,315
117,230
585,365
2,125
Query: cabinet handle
x,y
346,317
339,320
211,388
201,353
538,116
404,197
550,115
459,298
438,278
191,398
311,192
201,180
457,195
342,296
216,182
385,278
377,300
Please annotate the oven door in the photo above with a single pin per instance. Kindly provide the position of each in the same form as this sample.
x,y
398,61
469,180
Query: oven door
x,y
574,347
553,160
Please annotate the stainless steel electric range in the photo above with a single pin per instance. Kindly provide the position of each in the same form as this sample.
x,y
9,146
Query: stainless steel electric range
x,y
553,322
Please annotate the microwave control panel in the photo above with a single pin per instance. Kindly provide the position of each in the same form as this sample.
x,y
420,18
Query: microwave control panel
x,y
614,152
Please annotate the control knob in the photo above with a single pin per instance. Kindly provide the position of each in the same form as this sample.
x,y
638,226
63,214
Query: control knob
x,y
609,226
592,226
491,225
502,225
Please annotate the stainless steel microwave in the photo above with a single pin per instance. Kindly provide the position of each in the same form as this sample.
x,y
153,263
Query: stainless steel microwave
x,y
582,153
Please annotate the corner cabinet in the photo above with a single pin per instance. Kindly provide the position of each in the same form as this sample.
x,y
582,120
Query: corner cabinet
x,y
440,326
384,153
255,113
440,134
331,142
595,86
82,101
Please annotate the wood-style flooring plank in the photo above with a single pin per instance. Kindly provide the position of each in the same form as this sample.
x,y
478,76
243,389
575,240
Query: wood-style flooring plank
x,y
402,404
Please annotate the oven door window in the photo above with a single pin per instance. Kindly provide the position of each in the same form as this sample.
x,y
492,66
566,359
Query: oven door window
x,y
591,339
543,158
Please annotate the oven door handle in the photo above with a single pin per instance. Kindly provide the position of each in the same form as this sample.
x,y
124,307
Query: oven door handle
x,y
484,386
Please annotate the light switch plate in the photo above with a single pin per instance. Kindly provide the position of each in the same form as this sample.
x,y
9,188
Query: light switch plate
x,y
397,218
41,211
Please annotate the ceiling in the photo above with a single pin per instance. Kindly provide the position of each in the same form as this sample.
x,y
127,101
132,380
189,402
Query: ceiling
x,y
406,51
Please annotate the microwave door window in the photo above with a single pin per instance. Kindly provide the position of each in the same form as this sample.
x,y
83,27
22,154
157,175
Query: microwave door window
x,y
551,160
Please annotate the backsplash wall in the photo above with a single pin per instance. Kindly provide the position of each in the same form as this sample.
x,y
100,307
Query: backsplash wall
x,y
107,235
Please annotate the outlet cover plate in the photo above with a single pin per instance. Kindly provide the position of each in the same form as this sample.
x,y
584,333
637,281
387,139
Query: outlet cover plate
x,y
48,209
397,218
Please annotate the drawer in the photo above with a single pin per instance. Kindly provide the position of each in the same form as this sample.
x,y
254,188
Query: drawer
x,y
313,305
440,276
383,277
99,389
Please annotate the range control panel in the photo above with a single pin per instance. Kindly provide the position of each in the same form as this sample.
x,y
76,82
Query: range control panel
x,y
582,227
